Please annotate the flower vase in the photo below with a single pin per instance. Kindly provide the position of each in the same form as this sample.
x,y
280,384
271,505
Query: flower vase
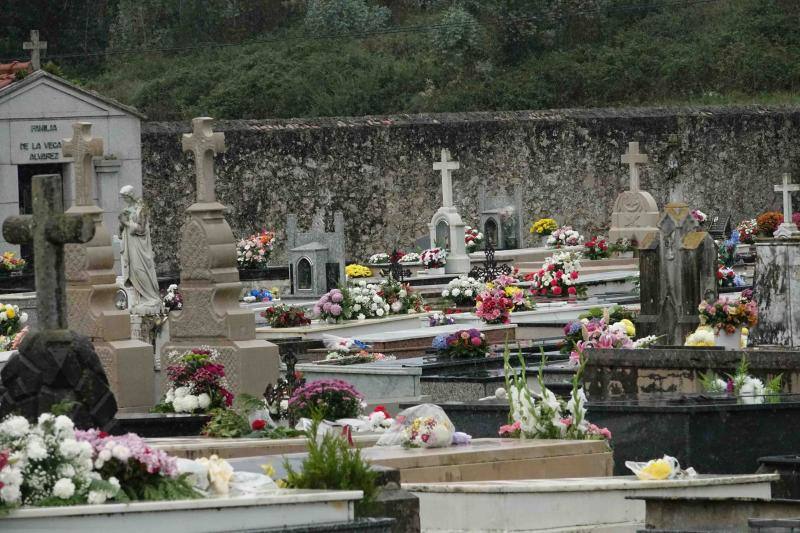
x,y
729,341
434,271
544,240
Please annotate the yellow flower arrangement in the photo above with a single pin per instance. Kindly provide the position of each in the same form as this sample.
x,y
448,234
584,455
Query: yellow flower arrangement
x,y
544,226
658,469
630,329
702,336
357,271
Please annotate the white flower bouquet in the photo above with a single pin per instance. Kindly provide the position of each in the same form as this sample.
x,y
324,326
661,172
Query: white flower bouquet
x,y
411,257
564,236
434,257
463,290
379,259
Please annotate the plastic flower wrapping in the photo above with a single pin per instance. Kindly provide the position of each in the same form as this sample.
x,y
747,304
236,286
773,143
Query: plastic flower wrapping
x,y
558,276
726,277
346,357
544,226
463,290
197,383
379,259
253,252
434,257
472,238
659,469
440,319
698,215
357,271
259,295
422,426
564,236
9,262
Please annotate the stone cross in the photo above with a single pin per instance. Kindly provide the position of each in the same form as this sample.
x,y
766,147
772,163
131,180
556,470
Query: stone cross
x,y
205,144
787,189
35,45
788,228
49,229
82,147
447,166
633,159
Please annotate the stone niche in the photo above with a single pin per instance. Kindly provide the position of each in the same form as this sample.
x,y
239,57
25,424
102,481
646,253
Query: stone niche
x,y
500,218
316,258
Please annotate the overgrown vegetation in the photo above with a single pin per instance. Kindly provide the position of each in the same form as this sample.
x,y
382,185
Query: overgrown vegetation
x,y
306,58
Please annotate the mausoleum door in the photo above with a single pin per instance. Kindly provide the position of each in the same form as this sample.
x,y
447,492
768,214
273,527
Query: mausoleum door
x,y
490,232
25,173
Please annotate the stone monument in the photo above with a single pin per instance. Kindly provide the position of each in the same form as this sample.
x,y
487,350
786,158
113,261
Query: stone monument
x,y
316,258
138,265
54,365
446,227
776,286
677,265
635,212
210,286
500,218
35,46
91,287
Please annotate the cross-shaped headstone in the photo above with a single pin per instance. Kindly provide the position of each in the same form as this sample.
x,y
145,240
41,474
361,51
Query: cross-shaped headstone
x,y
205,144
82,147
49,229
787,189
633,159
35,46
447,166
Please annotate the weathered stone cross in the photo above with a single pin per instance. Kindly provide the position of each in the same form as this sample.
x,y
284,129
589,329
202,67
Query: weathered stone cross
x,y
447,166
35,46
49,229
82,147
633,159
787,189
205,144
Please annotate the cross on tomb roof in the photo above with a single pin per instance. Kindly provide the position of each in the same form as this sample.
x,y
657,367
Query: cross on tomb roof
x,y
205,144
35,46
633,158
49,229
446,166
82,147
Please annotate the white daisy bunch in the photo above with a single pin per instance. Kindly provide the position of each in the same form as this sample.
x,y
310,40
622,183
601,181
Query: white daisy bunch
x,y
44,464
564,236
411,257
183,401
378,259
463,290
367,303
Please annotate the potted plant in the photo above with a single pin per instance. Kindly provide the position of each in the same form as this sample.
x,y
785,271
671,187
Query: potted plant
x,y
543,228
727,317
252,254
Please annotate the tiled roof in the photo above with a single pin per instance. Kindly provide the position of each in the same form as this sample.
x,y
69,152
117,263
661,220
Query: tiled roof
x,y
8,71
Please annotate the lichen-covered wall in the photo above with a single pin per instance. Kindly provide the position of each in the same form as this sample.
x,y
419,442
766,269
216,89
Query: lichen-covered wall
x,y
377,170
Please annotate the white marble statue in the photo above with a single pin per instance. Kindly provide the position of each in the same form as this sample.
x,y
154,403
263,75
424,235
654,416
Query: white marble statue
x,y
138,266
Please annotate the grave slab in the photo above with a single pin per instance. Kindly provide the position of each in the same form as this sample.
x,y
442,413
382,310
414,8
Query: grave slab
x,y
486,459
571,504
349,328
196,447
375,382
283,509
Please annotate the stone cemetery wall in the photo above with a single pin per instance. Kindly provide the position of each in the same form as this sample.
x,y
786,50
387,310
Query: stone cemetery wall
x,y
377,170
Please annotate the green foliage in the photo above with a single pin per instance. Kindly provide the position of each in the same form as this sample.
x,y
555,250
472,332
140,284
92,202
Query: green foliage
x,y
233,422
458,33
331,17
463,55
615,313
64,407
166,488
331,464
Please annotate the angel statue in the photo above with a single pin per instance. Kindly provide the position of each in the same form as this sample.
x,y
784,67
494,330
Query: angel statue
x,y
138,266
